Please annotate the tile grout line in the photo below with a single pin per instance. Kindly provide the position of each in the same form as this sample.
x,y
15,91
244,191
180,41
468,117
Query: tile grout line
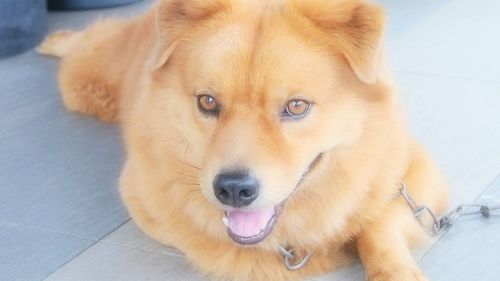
x,y
84,250
490,183
41,229
114,229
68,261
136,248
141,249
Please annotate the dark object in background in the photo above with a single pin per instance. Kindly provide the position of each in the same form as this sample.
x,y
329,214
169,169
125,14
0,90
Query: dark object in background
x,y
23,24
85,4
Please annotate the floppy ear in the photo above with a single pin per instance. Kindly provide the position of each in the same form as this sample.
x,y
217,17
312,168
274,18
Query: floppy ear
x,y
173,21
355,28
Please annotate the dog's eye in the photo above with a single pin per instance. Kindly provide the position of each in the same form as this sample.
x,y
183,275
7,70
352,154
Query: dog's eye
x,y
208,105
296,109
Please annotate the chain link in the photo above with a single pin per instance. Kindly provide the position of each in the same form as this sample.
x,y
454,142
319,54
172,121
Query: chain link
x,y
289,256
443,223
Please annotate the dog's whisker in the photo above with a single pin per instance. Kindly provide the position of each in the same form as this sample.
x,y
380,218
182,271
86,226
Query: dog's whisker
x,y
192,183
186,175
188,164
191,166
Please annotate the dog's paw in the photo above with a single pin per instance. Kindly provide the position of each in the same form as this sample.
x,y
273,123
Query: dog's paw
x,y
401,274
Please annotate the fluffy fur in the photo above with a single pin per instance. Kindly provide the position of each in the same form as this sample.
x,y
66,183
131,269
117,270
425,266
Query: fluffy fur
x,y
255,55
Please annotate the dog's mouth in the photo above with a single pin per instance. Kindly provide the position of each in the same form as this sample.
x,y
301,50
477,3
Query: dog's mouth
x,y
248,227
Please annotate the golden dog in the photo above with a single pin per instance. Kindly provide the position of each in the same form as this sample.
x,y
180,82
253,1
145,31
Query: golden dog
x,y
254,125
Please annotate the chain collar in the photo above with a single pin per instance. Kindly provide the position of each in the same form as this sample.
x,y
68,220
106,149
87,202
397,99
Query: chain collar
x,y
289,257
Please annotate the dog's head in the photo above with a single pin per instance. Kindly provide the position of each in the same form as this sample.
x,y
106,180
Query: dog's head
x,y
261,90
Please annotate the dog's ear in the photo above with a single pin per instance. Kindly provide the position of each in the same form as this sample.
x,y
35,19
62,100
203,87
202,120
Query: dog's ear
x,y
173,21
354,27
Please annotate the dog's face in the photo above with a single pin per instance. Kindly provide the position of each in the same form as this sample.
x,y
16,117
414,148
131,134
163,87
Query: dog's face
x,y
264,95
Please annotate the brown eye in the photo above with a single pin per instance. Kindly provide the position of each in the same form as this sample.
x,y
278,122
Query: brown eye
x,y
208,105
296,109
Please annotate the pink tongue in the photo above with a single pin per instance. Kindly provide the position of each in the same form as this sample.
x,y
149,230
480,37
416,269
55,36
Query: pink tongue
x,y
249,223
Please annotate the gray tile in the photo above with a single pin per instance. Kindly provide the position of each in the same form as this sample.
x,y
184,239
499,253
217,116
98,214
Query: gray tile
x,y
58,170
469,251
447,37
111,262
457,120
130,236
27,254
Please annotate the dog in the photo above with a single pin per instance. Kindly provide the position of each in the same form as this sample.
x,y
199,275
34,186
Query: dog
x,y
256,127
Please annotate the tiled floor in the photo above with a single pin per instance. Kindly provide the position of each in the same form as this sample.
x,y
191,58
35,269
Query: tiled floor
x,y
60,214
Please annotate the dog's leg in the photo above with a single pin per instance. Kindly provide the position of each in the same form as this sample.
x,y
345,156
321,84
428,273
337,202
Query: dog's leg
x,y
84,79
87,86
94,65
384,245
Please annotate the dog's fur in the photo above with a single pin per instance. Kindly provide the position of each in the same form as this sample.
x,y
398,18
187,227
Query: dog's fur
x,y
254,55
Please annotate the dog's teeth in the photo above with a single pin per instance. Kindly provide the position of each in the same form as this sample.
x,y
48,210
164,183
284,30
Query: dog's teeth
x,y
225,221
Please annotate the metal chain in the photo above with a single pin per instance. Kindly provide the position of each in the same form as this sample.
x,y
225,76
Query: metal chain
x,y
443,223
467,210
439,223
289,256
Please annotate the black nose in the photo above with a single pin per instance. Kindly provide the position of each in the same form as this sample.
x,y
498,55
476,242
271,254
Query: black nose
x,y
236,188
